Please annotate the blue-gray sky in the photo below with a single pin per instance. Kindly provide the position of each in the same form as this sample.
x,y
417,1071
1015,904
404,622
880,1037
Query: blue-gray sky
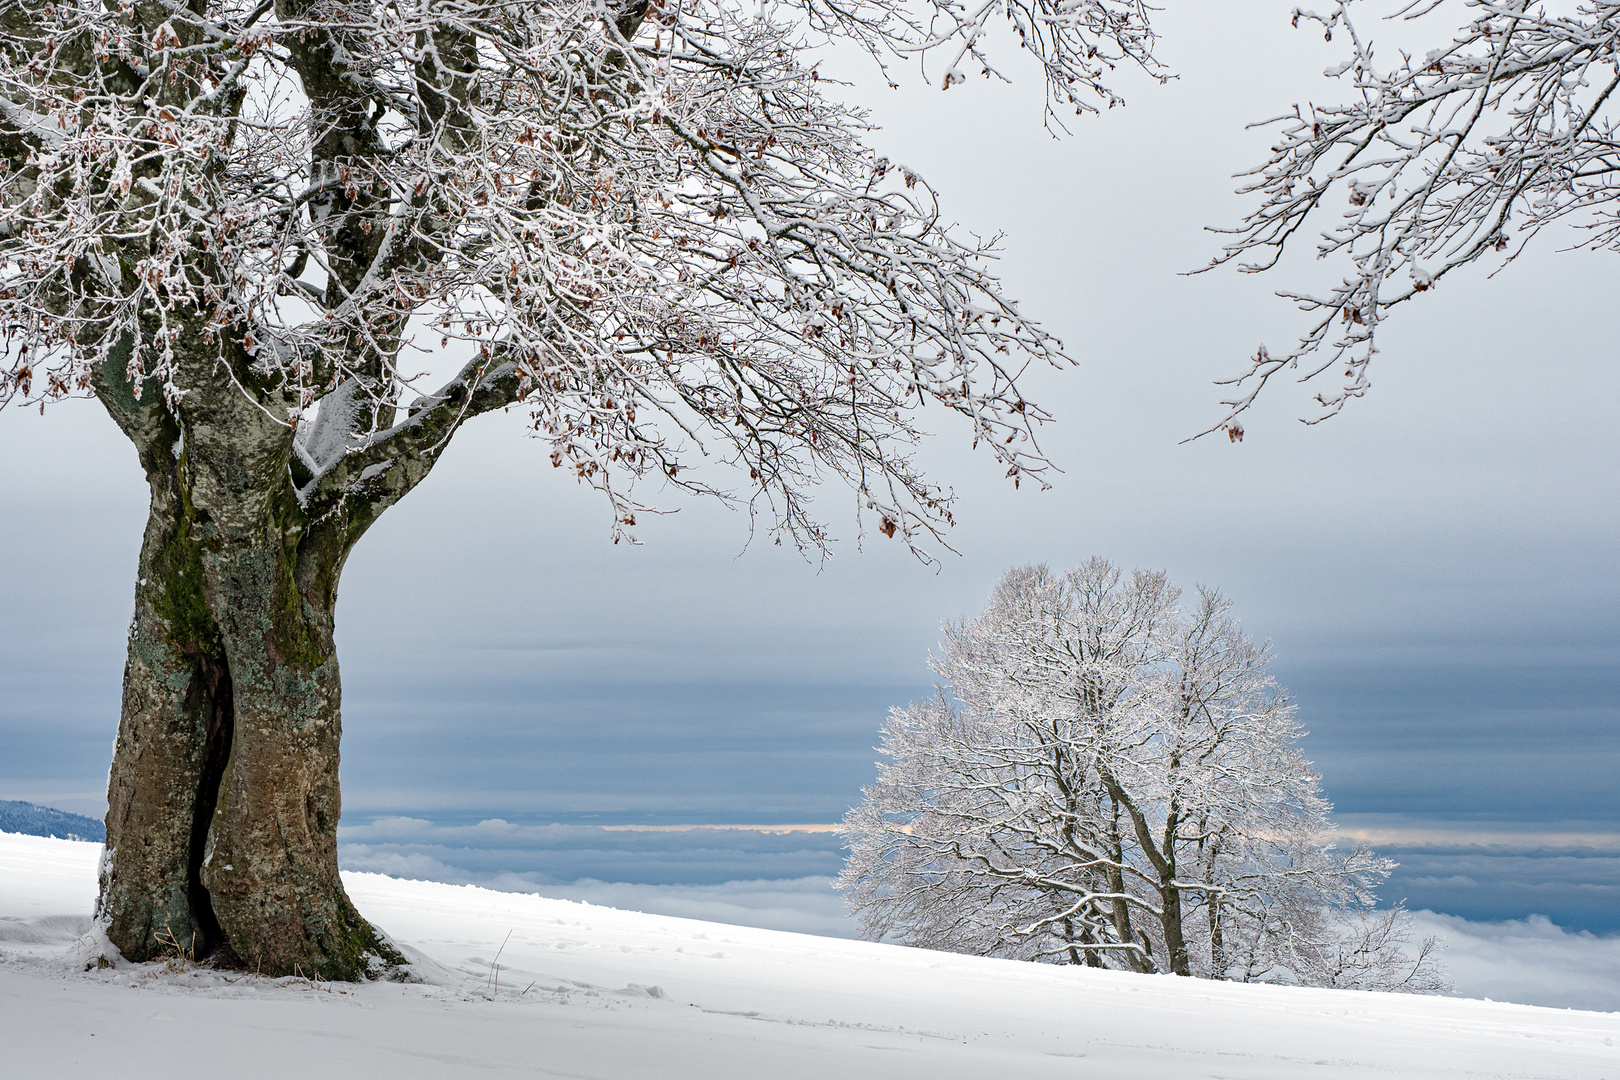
x,y
1435,567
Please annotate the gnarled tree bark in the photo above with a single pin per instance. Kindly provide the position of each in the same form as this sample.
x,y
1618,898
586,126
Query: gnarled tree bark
x,y
223,797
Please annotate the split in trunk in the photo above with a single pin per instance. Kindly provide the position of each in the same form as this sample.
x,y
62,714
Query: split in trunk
x,y
223,799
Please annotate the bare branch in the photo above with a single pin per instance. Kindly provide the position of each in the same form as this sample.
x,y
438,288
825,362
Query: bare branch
x,y
1441,161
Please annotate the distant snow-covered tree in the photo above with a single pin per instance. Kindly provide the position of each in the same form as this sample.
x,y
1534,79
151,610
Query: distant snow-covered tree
x,y
1114,780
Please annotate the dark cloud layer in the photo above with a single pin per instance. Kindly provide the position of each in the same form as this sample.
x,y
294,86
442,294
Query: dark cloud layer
x,y
1438,741
660,753
1467,739
1576,889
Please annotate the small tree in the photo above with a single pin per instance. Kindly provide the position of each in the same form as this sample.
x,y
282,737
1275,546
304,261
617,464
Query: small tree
x,y
1113,780
234,222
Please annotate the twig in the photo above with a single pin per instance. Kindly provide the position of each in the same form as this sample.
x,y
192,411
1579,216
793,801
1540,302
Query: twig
x,y
494,980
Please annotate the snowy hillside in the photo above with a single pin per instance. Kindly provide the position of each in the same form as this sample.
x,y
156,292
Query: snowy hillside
x,y
31,819
584,991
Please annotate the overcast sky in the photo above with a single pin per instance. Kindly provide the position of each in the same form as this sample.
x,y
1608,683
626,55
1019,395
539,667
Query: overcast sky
x,y
1435,567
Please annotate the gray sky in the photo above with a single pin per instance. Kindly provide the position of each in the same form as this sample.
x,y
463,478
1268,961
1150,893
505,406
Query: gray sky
x,y
1435,567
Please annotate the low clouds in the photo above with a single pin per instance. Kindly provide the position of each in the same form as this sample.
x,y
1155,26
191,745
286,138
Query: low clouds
x,y
1460,733
1578,889
806,905
779,881
529,858
783,881
1531,961
1491,871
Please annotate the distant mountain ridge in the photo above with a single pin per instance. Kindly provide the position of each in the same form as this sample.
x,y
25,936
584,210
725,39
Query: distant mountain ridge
x,y
31,819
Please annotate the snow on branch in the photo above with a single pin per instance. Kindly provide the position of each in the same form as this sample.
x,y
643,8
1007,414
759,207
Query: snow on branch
x,y
1111,778
1435,162
1079,44
652,212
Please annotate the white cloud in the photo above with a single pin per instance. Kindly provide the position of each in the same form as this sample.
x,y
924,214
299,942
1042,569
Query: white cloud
x,y
778,880
807,905
1530,961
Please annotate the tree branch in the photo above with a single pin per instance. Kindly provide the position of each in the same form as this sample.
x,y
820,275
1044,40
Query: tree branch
x,y
374,476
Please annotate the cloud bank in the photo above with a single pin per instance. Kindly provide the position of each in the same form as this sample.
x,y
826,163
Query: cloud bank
x,y
1531,961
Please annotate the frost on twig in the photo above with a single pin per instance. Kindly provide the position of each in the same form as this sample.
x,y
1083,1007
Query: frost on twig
x,y
1433,162
644,224
1112,779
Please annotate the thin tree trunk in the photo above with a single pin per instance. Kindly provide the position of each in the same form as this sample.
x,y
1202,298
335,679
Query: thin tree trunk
x,y
1119,909
1164,866
1077,940
1175,938
1212,902
1175,942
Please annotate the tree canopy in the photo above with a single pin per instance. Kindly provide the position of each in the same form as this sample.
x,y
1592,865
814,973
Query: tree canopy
x,y
1112,779
647,225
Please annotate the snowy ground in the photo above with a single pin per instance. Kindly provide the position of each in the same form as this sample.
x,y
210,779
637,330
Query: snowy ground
x,y
780,878
584,991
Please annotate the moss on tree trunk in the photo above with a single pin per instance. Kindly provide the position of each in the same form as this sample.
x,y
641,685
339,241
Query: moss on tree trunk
x,y
223,797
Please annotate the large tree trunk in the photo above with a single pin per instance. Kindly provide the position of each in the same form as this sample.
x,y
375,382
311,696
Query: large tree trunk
x,y
269,863
161,790
223,797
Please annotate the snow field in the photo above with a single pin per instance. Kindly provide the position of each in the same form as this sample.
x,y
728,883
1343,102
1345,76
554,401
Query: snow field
x,y
583,991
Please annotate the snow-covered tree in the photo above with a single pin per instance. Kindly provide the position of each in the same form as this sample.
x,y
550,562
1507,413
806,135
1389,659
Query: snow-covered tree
x,y
1440,158
239,224
1113,779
